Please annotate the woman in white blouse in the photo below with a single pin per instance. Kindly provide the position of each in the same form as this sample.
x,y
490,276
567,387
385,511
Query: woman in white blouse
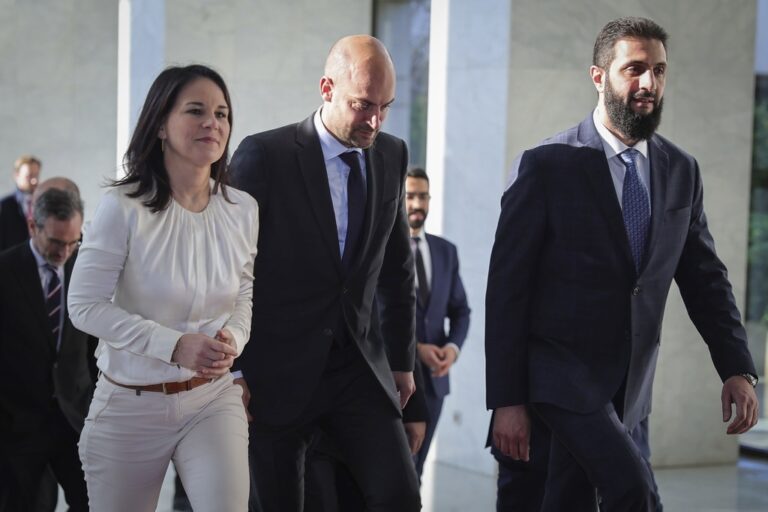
x,y
164,279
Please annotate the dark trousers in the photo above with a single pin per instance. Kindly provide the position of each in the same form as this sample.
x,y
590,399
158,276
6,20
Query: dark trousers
x,y
329,484
594,451
55,447
521,485
434,408
350,407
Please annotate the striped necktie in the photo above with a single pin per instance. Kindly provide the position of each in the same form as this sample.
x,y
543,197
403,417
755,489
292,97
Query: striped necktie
x,y
53,303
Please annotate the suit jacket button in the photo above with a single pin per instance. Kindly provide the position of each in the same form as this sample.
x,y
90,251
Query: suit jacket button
x,y
328,332
636,290
344,290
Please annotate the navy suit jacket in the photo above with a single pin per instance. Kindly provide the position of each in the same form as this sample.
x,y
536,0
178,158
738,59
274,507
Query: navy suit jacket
x,y
302,295
568,317
447,299
13,225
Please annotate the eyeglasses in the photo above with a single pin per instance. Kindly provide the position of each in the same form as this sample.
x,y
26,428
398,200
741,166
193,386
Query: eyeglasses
x,y
423,196
60,244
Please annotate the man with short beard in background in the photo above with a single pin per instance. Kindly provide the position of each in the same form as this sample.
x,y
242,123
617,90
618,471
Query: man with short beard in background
x,y
598,221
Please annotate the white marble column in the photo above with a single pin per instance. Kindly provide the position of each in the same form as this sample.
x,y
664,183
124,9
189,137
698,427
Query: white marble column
x,y
467,137
141,57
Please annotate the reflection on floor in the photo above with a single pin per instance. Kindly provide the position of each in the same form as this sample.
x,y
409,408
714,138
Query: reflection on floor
x,y
741,488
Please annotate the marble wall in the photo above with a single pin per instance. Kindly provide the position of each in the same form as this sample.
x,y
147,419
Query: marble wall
x,y
57,89
270,53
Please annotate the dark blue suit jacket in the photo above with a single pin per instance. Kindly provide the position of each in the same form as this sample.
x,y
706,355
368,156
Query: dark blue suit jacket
x,y
568,317
446,300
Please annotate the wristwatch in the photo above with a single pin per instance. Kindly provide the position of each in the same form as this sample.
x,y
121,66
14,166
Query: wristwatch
x,y
750,378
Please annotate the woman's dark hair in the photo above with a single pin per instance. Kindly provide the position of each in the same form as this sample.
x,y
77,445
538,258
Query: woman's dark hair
x,y
143,160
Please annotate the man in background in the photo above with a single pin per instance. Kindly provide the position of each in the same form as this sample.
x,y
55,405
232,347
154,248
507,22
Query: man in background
x,y
47,385
440,296
15,207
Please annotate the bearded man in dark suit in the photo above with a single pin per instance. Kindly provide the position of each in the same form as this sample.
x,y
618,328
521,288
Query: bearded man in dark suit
x,y
597,223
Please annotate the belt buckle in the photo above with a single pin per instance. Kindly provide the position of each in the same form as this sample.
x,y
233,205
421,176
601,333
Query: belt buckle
x,y
165,389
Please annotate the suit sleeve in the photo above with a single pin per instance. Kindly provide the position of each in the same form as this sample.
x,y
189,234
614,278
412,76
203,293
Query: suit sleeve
x,y
511,285
708,296
396,290
416,408
248,172
458,308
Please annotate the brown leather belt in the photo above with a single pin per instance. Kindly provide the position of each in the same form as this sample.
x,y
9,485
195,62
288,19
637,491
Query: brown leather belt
x,y
168,388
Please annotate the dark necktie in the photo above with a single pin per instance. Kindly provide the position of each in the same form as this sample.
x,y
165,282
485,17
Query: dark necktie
x,y
355,207
635,208
422,290
53,303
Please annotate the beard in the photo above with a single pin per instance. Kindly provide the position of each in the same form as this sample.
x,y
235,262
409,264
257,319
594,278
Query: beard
x,y
417,222
632,124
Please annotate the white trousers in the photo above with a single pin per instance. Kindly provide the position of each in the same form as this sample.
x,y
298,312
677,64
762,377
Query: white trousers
x,y
129,439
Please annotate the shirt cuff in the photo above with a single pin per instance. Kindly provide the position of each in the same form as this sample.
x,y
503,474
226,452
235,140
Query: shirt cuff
x,y
237,374
454,347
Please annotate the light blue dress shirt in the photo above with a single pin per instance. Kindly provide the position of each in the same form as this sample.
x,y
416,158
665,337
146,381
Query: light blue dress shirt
x,y
338,172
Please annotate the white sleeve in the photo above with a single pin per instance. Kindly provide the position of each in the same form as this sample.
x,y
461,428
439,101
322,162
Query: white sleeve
x,y
100,262
239,324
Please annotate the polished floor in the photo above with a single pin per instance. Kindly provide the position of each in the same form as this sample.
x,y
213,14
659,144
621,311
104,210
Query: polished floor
x,y
739,488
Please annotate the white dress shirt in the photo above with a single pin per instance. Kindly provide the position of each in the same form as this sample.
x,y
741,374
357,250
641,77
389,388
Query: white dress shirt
x,y
144,279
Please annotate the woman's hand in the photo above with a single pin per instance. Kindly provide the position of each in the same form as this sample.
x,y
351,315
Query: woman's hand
x,y
209,357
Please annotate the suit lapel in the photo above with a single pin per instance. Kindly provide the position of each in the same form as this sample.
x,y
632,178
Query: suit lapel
x,y
312,165
599,177
659,173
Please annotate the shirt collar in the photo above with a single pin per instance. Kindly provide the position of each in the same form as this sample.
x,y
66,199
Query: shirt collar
x,y
611,144
328,143
422,236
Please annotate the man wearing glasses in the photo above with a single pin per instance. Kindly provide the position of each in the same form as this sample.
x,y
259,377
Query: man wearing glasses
x,y
46,385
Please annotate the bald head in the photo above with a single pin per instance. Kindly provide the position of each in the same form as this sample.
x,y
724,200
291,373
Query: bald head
x,y
358,88
352,53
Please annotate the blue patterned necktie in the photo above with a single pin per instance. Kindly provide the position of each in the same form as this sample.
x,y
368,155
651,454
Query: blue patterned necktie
x,y
635,208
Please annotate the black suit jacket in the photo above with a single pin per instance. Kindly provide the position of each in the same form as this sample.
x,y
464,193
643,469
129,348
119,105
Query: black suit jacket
x,y
302,296
34,372
568,317
13,225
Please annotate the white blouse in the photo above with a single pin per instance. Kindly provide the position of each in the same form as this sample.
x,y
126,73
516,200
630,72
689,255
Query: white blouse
x,y
144,279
